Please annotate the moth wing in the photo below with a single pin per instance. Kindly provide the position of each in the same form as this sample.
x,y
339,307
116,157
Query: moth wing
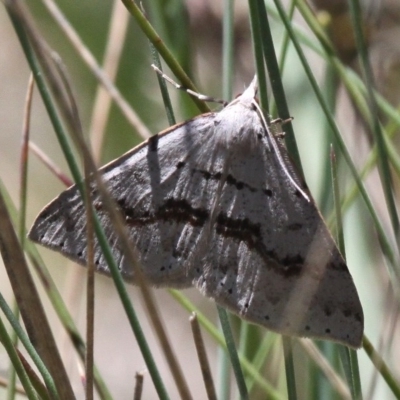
x,y
207,203
149,184
271,258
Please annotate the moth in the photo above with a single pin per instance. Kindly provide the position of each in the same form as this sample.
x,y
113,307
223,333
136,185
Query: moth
x,y
215,203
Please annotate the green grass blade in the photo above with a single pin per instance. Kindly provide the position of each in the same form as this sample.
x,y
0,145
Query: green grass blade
x,y
258,54
230,344
16,362
289,367
61,136
383,163
163,50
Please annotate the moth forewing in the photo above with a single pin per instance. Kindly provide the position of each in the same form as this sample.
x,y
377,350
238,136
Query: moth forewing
x,y
215,203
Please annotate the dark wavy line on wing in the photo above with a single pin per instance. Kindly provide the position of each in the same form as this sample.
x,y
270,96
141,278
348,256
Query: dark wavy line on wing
x,y
241,229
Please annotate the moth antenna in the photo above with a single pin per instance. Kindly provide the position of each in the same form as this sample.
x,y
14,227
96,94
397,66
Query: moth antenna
x,y
200,96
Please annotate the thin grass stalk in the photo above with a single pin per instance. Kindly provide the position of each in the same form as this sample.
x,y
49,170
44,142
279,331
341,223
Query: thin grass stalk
x,y
90,287
329,91
289,367
383,163
120,228
120,285
50,164
378,226
13,319
357,90
33,353
352,193
227,81
336,197
284,52
223,373
48,101
233,355
16,362
244,337
24,160
164,17
30,349
137,394
381,233
174,365
352,371
300,32
99,231
382,367
227,62
170,355
392,113
348,356
55,297
12,375
387,336
101,109
96,70
171,20
11,389
394,157
66,320
276,83
202,356
158,19
286,39
37,383
325,50
72,116
227,49
247,366
330,88
21,279
265,348
383,240
163,50
24,157
333,377
163,87
258,55
280,99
